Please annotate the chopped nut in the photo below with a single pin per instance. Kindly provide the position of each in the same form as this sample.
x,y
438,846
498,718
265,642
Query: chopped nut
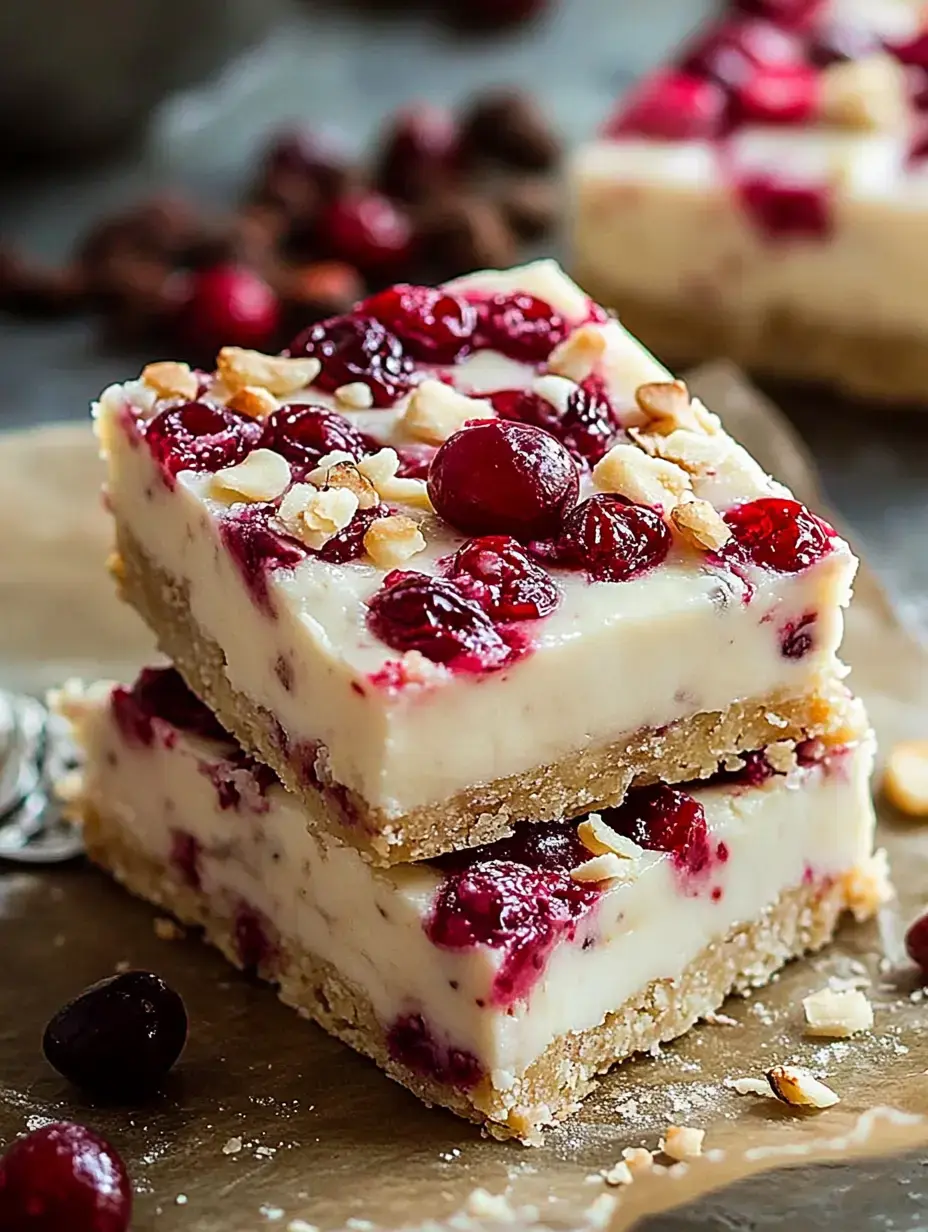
x,y
346,475
905,780
715,1019
232,1147
625,469
867,887
781,756
580,353
253,401
325,464
435,411
601,839
696,453
356,396
682,1142
638,1158
279,374
381,467
315,516
700,525
837,1014
170,379
168,930
262,476
608,867
619,1174
866,94
749,1086
667,407
557,390
390,541
799,1088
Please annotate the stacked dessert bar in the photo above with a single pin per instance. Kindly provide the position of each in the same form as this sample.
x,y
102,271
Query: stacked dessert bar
x,y
763,195
505,731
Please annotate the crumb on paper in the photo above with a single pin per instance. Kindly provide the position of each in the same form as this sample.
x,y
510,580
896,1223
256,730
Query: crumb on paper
x,y
638,1158
484,1205
618,1174
181,1200
749,1086
300,1225
715,1019
271,1213
837,1014
682,1142
167,929
800,1089
232,1147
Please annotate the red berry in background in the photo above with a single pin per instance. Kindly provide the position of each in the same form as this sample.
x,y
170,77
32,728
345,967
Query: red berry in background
x,y
793,14
316,156
612,540
433,325
783,210
777,534
916,943
357,348
671,106
419,153
503,479
783,94
228,305
303,434
197,437
733,52
521,326
496,571
367,230
64,1178
431,615
835,42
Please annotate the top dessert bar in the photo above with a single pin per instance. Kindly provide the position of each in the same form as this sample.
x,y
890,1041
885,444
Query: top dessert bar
x,y
765,195
467,557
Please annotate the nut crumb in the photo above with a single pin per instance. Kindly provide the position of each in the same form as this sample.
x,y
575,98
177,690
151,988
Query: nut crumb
x,y
700,525
720,1020
638,1158
435,411
580,354
667,407
619,1174
261,476
381,467
905,780
484,1205
800,1089
278,374
608,867
749,1086
867,887
346,475
629,472
866,94
253,401
356,396
232,1147
837,1014
682,1142
315,516
601,839
391,541
167,929
170,379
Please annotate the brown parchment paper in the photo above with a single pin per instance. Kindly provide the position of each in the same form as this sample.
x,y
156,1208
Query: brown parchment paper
x,y
266,1120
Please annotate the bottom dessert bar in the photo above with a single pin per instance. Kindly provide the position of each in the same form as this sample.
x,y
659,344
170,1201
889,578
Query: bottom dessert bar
x,y
497,981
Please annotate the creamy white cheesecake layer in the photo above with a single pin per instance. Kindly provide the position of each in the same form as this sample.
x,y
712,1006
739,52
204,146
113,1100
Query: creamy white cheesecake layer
x,y
617,657
321,898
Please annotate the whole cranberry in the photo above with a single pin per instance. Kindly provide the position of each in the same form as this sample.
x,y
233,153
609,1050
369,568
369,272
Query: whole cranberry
x,y
916,943
228,305
258,551
612,540
781,94
521,326
733,52
671,106
303,434
433,325
501,478
366,230
357,348
587,427
431,615
662,818
316,156
64,1178
420,152
197,437
119,1037
782,209
503,579
777,534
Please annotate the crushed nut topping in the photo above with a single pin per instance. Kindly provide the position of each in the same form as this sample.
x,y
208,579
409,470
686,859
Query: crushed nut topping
x,y
619,1174
797,1087
629,472
435,411
346,475
580,354
253,401
781,756
638,1158
279,374
682,1142
390,541
315,516
749,1086
869,94
867,887
381,467
700,525
837,1014
905,781
608,867
601,839
262,476
171,380
356,396
667,407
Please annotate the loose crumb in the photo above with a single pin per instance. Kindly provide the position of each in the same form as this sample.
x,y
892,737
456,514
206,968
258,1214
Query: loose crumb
x,y
168,930
682,1142
836,1015
484,1205
721,1020
797,1087
638,1158
618,1174
749,1086
232,1147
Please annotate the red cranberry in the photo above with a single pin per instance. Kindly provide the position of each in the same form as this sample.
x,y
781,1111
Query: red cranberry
x,y
197,437
506,583
419,152
303,434
916,943
120,1037
914,52
412,1043
785,210
794,14
520,326
503,478
162,693
415,460
433,325
798,637
732,53
662,818
755,771
229,305
185,858
317,157
64,1177
433,616
366,230
354,348
587,427
348,543
778,534
258,551
251,936
781,94
671,106
613,540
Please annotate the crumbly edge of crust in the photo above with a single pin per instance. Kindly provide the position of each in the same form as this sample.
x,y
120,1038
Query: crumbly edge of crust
x,y
592,779
802,919
889,366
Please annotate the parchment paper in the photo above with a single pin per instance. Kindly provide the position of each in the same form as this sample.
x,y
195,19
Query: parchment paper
x,y
266,1120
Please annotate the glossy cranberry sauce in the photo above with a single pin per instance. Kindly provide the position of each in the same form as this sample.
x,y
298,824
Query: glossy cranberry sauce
x,y
411,1042
158,701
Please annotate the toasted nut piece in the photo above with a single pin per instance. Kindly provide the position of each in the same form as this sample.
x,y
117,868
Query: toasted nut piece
x,y
170,379
866,94
325,464
695,452
608,867
390,541
253,401
868,887
262,476
905,780
435,411
315,516
682,1142
356,396
638,1158
619,1174
625,469
601,839
580,353
700,525
381,467
667,407
554,389
799,1088
837,1014
279,374
781,756
347,475
749,1086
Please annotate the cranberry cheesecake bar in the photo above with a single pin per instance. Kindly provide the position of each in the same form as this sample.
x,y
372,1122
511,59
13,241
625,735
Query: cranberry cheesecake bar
x,y
497,981
765,196
466,557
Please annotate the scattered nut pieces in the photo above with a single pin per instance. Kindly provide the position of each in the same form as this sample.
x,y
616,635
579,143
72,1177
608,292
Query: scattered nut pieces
x,y
619,1174
715,1019
749,1086
628,471
346,475
170,379
608,867
167,929
781,756
867,887
638,1158
869,94
700,525
391,541
580,354
262,476
435,411
279,374
905,781
356,396
557,390
667,407
314,516
837,1014
601,839
798,1088
253,401
232,1147
682,1142
381,467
